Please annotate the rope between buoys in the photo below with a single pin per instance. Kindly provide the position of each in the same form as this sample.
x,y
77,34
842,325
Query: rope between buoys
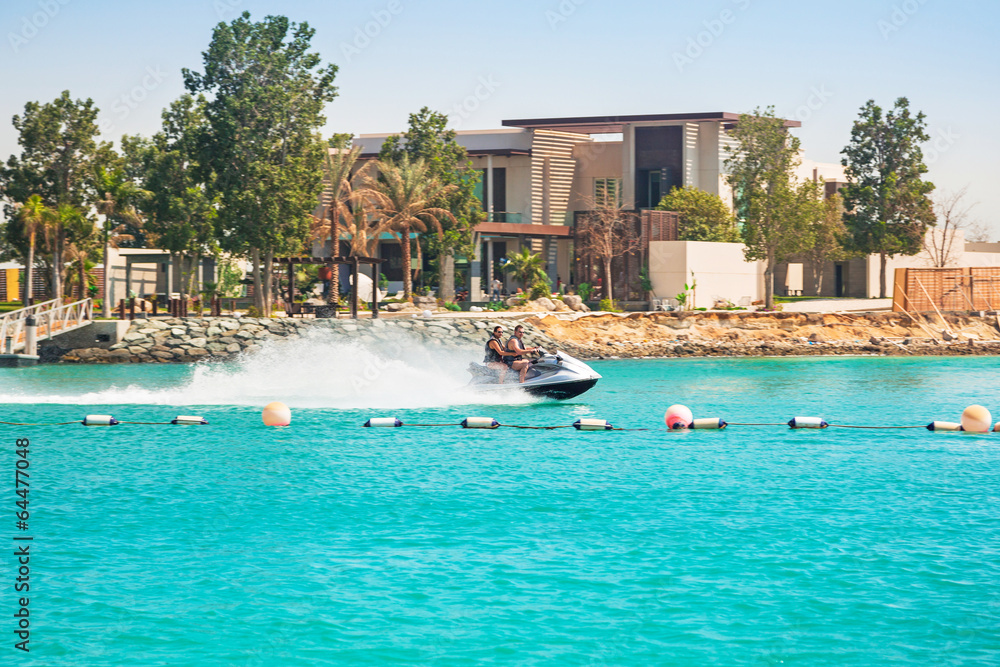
x,y
850,426
408,424
149,423
42,424
758,424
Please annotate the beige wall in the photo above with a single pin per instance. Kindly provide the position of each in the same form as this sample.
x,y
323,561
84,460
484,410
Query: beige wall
x,y
518,181
600,159
144,279
719,270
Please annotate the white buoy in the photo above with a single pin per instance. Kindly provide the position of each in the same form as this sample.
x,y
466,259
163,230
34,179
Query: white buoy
x,y
944,426
592,425
276,414
976,419
189,420
678,417
996,429
480,422
807,422
709,423
99,420
383,422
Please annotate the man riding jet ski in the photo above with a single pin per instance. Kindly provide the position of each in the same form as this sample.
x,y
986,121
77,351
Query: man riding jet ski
x,y
558,375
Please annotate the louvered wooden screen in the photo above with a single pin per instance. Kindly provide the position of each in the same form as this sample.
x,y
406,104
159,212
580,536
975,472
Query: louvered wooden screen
x,y
975,288
659,226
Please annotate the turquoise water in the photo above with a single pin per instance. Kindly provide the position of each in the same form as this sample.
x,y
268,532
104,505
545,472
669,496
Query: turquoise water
x,y
326,543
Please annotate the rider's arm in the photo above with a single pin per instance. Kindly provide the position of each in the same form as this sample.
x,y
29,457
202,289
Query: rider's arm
x,y
499,349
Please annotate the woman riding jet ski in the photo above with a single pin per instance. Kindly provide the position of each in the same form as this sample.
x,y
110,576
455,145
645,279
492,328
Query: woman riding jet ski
x,y
558,376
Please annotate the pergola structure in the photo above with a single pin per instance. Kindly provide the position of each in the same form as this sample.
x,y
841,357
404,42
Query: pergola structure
x,y
353,262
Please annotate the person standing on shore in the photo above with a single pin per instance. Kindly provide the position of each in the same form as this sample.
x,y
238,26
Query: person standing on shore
x,y
497,286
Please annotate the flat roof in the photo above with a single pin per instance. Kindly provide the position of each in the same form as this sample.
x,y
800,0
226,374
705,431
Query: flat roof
x,y
612,124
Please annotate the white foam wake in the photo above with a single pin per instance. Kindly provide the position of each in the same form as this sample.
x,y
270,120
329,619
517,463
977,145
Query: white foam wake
x,y
316,371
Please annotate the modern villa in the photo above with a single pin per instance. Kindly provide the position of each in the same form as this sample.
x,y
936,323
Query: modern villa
x,y
539,174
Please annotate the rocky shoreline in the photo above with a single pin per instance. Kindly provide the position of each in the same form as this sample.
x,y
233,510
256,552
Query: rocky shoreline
x,y
588,336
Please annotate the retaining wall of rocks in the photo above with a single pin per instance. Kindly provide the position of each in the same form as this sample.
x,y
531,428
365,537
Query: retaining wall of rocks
x,y
589,337
217,338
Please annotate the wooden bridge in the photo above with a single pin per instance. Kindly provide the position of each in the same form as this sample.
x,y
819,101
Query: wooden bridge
x,y
51,319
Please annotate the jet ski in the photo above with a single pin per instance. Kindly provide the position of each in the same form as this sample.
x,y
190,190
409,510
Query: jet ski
x,y
559,376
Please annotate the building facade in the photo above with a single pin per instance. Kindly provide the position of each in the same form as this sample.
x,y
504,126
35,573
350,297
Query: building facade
x,y
539,174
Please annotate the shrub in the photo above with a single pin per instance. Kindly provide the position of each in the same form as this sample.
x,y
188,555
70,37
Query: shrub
x,y
584,290
609,306
253,312
452,306
497,305
540,289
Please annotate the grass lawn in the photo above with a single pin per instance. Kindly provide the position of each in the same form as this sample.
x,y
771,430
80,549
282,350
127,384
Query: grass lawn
x,y
793,299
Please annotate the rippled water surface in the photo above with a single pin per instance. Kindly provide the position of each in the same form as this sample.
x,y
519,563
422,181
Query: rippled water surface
x,y
328,543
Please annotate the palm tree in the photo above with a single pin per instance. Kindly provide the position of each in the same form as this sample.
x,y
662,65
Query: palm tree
x,y
65,223
526,267
118,206
350,208
80,253
404,193
32,216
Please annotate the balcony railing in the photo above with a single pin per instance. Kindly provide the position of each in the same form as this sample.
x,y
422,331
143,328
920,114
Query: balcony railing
x,y
503,216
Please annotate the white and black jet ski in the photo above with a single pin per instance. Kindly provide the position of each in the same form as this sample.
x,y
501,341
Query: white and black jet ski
x,y
557,376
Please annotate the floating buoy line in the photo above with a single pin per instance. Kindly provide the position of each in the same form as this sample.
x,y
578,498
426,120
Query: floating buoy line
x,y
109,420
974,419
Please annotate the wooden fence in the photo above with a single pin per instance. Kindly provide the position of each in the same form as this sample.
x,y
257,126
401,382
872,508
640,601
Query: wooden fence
x,y
968,288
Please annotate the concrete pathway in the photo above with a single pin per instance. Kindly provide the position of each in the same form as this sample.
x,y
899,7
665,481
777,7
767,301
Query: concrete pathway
x,y
836,305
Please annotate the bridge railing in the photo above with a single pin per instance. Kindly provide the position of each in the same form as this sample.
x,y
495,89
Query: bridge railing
x,y
51,318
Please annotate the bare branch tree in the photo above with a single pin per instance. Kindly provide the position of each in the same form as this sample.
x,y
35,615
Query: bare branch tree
x,y
606,231
953,214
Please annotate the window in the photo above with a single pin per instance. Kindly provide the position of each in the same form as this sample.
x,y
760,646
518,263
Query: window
x,y
499,184
607,191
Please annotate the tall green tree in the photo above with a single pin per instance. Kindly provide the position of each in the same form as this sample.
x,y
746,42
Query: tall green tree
x,y
886,198
429,139
406,193
180,210
59,150
775,212
703,216
267,93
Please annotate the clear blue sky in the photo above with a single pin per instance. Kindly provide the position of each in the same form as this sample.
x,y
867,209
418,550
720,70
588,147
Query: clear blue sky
x,y
551,58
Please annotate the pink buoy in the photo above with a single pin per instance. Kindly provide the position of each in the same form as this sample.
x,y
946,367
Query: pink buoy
x,y
976,419
276,414
678,417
